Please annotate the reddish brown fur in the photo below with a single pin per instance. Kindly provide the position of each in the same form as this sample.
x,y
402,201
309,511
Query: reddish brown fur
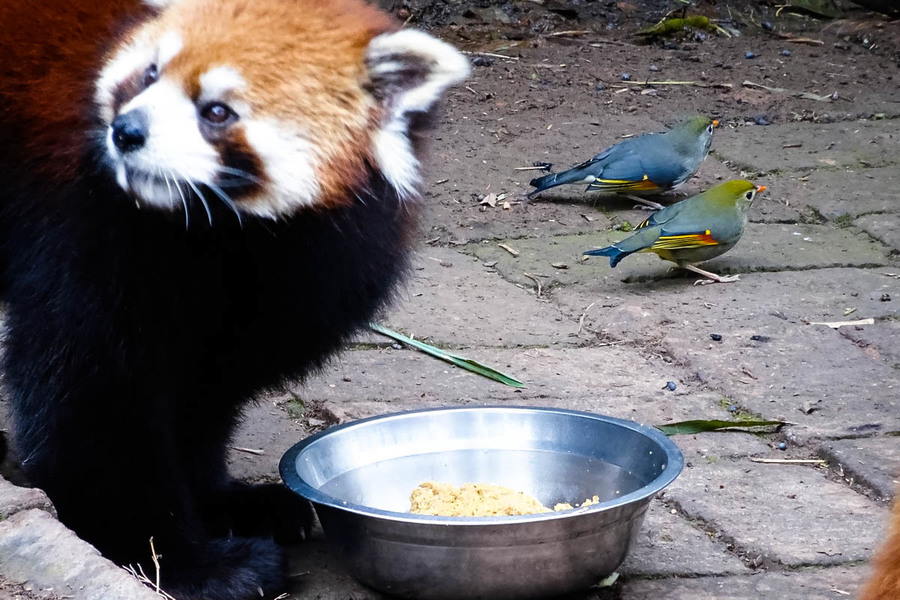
x,y
47,74
885,583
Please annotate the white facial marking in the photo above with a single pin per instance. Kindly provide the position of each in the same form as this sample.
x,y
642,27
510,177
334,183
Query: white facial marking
x,y
291,166
221,84
159,3
445,67
133,58
175,148
170,45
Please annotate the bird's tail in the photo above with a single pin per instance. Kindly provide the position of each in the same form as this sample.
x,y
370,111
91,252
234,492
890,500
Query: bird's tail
x,y
577,174
614,253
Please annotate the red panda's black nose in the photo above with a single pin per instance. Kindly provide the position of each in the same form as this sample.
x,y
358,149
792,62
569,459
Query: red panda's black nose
x,y
129,131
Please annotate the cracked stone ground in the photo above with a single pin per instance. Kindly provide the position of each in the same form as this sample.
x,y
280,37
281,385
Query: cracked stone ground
x,y
822,246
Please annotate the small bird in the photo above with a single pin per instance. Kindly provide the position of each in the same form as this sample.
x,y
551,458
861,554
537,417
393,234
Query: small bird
x,y
693,230
646,164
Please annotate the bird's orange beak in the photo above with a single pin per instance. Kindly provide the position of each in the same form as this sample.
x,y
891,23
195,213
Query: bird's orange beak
x,y
715,123
760,189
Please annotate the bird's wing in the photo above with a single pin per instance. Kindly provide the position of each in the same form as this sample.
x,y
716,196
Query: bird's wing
x,y
683,241
645,163
674,235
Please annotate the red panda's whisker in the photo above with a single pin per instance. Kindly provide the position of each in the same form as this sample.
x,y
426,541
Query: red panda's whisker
x,y
239,173
187,218
200,196
228,201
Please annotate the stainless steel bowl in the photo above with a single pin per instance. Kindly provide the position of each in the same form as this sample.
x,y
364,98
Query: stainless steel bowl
x,y
359,477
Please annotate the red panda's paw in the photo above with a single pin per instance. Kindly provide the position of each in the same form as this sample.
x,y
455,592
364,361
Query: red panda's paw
x,y
231,568
268,510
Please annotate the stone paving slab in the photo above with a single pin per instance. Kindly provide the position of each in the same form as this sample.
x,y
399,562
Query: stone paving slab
x,y
881,342
263,436
608,380
764,247
848,387
835,583
842,193
453,299
852,144
777,514
14,499
883,227
38,549
668,545
873,462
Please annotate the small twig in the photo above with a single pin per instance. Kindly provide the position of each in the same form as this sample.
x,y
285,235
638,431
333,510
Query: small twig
x,y
892,275
249,450
792,145
836,324
536,280
727,86
530,169
583,317
155,557
491,54
599,43
789,461
509,249
471,90
571,32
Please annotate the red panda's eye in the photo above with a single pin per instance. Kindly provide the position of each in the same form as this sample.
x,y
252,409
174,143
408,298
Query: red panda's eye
x,y
217,113
151,76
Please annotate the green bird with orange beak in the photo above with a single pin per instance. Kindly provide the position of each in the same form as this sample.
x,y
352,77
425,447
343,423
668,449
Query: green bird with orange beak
x,y
693,230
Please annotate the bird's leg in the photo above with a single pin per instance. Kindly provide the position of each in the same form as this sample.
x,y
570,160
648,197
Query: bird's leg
x,y
647,204
711,277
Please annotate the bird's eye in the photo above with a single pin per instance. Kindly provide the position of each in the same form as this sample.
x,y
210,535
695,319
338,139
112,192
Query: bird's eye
x,y
218,113
709,129
749,195
151,76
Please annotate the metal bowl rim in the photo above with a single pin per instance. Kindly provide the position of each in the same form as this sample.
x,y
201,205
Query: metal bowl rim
x,y
674,465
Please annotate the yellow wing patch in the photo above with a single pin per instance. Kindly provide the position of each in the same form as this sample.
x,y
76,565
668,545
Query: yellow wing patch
x,y
680,242
623,185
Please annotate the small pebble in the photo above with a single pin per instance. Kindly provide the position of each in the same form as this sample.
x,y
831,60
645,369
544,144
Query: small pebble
x,y
654,68
600,86
749,54
670,385
767,26
785,52
762,120
732,408
482,61
782,446
715,337
626,76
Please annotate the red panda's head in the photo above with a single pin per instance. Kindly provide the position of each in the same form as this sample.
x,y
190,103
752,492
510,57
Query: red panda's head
x,y
271,105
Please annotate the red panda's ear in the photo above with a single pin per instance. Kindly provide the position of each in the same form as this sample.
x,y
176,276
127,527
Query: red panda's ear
x,y
410,70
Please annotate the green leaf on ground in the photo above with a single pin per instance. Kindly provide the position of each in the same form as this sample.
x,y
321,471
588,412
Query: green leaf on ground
x,y
460,361
703,426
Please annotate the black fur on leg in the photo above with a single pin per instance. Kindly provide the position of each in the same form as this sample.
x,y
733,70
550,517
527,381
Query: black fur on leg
x,y
232,568
259,510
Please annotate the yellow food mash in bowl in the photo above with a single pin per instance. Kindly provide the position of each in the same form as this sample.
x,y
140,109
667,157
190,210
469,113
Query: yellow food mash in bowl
x,y
479,500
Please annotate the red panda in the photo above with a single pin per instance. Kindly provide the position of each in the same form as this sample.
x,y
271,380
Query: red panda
x,y
199,199
885,581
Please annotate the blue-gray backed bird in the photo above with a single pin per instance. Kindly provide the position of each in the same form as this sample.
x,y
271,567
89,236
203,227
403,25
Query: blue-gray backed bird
x,y
647,164
693,230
